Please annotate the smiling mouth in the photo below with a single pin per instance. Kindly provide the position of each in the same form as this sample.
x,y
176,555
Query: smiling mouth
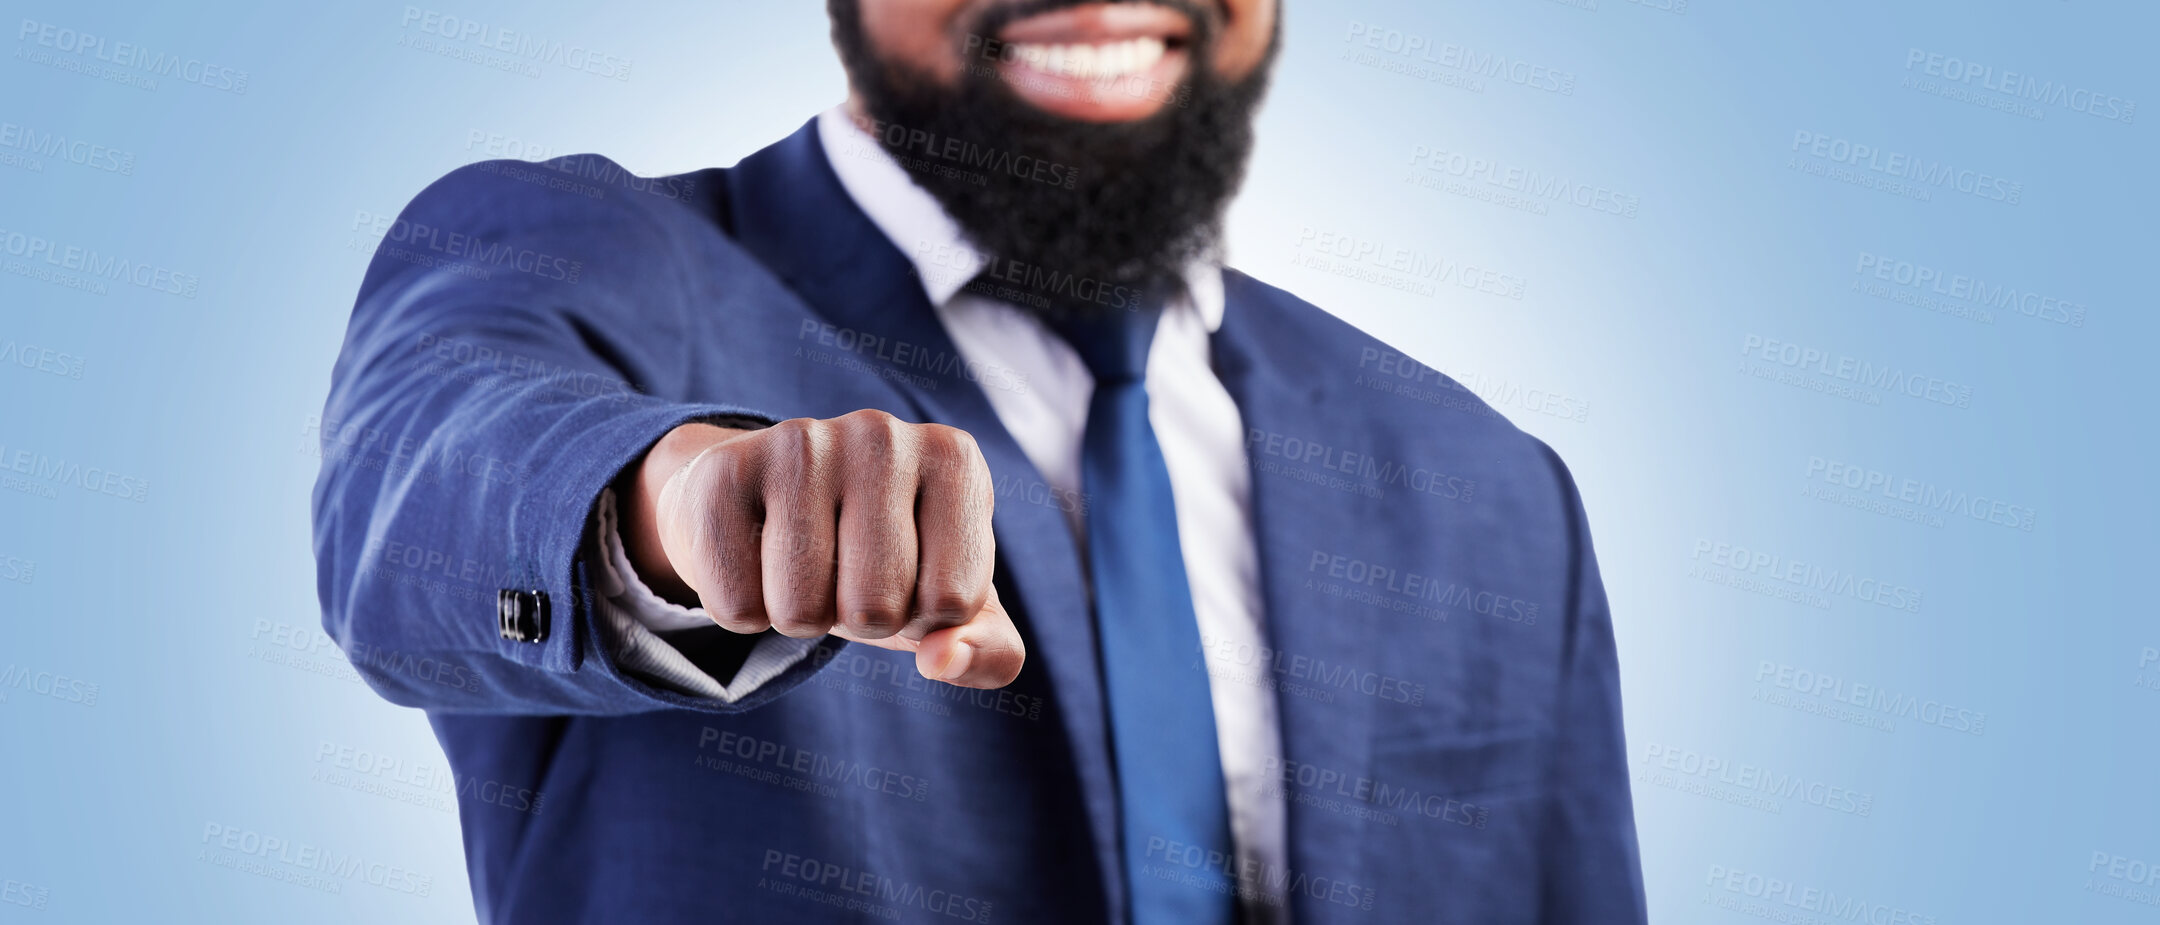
x,y
1110,59
1100,62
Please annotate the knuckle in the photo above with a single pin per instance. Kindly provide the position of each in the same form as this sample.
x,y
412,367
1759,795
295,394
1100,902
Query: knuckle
x,y
885,601
802,604
781,442
739,617
871,436
870,419
955,439
800,620
947,606
791,429
802,452
722,470
792,445
950,445
877,613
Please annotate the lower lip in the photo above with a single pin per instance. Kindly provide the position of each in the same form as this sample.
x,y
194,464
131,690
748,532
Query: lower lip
x,y
1099,99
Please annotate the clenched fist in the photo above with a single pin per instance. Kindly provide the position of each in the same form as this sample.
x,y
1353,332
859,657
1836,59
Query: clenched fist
x,y
863,526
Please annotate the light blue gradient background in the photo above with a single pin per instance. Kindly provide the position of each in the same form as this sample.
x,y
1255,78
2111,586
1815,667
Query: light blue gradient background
x,y
162,603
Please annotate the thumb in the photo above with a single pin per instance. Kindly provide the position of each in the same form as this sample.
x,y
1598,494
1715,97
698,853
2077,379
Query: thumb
x,y
985,652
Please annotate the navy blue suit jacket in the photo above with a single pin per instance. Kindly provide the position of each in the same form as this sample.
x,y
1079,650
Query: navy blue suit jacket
x,y
1441,650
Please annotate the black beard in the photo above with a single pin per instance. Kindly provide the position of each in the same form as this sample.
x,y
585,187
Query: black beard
x,y
1072,217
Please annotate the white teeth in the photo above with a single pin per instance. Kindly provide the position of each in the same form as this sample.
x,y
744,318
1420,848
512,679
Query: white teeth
x,y
1080,60
1086,62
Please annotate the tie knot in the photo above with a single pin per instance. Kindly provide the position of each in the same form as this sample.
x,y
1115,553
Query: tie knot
x,y
1113,342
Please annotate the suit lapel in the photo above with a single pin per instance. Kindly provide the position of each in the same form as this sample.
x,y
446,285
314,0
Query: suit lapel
x,y
1277,393
790,211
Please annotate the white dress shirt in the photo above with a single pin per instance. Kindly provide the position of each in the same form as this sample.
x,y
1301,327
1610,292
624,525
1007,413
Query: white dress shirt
x,y
1044,406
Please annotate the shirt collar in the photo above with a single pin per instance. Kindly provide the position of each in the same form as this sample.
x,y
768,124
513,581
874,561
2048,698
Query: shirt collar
x,y
913,220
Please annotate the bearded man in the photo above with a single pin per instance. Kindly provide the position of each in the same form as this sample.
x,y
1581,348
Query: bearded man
x,y
917,522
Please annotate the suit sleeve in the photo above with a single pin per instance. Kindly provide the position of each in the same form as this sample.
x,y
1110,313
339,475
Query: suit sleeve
x,y
487,393
647,633
1592,870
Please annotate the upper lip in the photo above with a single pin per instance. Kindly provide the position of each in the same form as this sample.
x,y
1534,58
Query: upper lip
x,y
1099,22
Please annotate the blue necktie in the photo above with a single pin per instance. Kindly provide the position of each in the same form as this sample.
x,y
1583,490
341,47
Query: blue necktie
x,y
1175,815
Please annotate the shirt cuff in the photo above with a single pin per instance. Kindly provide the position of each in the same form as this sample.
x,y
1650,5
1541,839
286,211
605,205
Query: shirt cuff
x,y
632,614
